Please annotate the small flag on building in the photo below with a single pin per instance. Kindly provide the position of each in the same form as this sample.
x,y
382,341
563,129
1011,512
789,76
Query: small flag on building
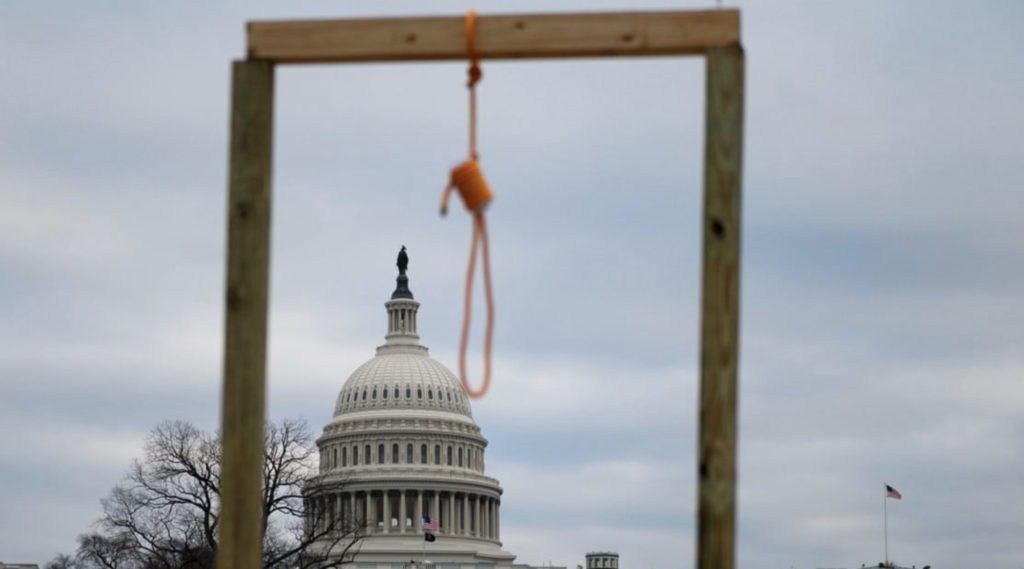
x,y
891,492
429,524
429,537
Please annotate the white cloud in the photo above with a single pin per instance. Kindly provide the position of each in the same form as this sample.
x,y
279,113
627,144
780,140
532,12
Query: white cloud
x,y
59,442
590,489
42,222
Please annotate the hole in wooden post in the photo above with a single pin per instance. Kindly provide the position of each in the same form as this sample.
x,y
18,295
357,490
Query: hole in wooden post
x,y
520,25
234,297
411,38
717,228
243,207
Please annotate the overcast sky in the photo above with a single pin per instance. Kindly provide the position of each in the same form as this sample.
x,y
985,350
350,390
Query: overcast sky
x,y
882,286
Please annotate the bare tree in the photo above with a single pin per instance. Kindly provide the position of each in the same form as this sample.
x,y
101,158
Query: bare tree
x,y
315,541
62,561
106,552
294,538
164,514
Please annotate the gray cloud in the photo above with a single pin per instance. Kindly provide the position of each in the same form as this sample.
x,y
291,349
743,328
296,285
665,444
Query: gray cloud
x,y
881,304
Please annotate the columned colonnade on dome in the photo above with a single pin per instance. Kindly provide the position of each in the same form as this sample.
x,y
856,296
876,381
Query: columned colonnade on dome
x,y
464,514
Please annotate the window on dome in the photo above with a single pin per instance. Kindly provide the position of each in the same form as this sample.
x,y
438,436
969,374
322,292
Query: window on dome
x,y
430,394
334,458
364,395
396,392
374,396
437,455
384,393
423,454
344,456
348,397
449,455
408,392
419,393
394,453
369,455
408,453
460,456
355,456
380,454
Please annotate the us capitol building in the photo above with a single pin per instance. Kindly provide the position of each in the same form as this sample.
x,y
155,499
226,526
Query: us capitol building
x,y
403,445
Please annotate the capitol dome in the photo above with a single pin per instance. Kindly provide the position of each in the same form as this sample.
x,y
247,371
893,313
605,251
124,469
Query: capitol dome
x,y
402,446
403,382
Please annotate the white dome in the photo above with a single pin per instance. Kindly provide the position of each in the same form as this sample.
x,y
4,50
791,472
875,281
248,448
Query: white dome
x,y
407,380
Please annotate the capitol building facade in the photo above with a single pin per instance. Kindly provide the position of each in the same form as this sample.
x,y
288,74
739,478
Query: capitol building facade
x,y
402,446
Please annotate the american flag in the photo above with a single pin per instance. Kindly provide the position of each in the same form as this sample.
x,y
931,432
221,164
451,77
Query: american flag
x,y
891,492
429,524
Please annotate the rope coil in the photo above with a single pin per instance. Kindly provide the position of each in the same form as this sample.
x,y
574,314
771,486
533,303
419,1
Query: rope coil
x,y
468,179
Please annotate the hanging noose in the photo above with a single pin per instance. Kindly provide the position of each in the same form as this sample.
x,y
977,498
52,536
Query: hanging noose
x,y
468,179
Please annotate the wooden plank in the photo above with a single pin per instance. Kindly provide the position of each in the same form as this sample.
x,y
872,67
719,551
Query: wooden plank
x,y
632,34
245,330
716,471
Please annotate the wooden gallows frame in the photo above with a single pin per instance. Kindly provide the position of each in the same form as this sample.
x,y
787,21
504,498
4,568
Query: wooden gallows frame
x,y
712,34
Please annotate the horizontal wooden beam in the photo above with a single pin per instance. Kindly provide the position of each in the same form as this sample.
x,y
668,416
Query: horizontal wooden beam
x,y
631,34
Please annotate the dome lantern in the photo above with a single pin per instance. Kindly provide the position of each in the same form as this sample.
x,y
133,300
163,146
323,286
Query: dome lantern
x,y
402,309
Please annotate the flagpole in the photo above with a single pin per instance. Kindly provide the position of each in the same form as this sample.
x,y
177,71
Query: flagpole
x,y
885,507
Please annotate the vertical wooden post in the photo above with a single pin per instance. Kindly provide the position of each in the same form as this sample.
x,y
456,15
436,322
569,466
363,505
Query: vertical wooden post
x,y
716,487
245,329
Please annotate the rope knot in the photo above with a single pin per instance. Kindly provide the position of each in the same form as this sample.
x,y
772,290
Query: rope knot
x,y
475,75
469,180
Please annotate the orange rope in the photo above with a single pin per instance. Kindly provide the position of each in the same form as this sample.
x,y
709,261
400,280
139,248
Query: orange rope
x,y
468,178
479,236
475,75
